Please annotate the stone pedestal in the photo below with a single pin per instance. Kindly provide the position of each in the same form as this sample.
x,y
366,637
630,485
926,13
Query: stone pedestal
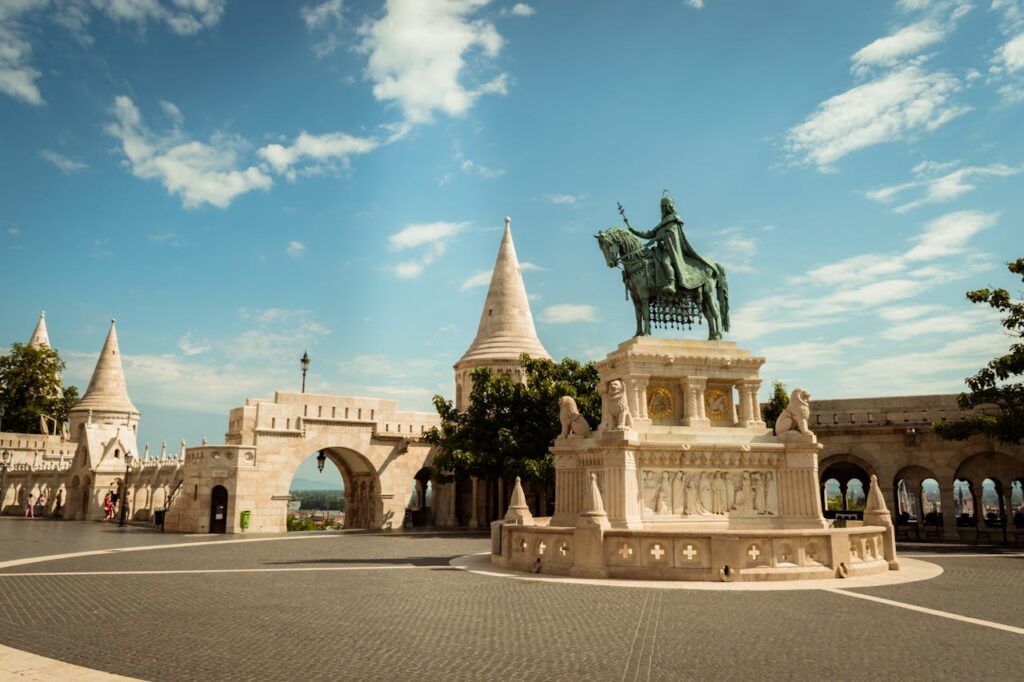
x,y
695,486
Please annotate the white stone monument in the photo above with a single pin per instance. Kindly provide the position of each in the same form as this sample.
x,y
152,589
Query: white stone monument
x,y
682,480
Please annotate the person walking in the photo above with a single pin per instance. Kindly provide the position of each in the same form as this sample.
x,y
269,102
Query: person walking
x,y
108,508
29,513
41,504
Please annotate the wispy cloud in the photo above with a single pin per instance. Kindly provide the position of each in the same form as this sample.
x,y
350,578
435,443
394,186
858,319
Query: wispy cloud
x,y
191,346
565,313
66,165
888,108
295,249
566,199
938,189
200,173
835,292
418,53
311,154
17,76
899,99
431,238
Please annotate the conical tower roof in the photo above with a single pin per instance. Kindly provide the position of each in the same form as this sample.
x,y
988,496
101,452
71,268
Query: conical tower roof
x,y
107,390
506,325
39,336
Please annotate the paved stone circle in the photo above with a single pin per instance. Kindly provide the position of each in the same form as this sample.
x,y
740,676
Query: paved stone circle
x,y
389,606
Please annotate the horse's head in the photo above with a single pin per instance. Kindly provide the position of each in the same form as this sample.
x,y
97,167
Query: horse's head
x,y
609,247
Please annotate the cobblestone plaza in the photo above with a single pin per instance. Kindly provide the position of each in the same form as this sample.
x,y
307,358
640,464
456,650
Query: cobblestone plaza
x,y
389,606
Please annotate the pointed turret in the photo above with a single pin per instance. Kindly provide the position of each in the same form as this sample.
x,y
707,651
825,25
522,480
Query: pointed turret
x,y
40,337
506,324
107,392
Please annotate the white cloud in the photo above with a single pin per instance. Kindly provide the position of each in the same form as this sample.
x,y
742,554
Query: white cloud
x,y
369,364
951,324
418,56
277,334
13,231
431,237
696,4
295,249
66,165
939,189
806,355
188,346
937,370
837,292
521,9
184,17
905,42
909,312
322,150
564,313
322,14
200,173
735,250
566,199
483,171
17,77
480,278
891,107
948,235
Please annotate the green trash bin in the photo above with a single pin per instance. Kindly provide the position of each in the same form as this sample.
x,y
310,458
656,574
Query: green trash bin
x,y
246,517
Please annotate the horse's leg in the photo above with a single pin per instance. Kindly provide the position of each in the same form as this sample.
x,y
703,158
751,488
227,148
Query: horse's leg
x,y
637,303
711,313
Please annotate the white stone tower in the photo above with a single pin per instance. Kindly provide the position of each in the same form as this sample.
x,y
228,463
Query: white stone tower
x,y
103,423
40,337
506,325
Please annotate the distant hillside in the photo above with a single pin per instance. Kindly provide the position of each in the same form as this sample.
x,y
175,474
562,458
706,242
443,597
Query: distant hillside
x,y
309,484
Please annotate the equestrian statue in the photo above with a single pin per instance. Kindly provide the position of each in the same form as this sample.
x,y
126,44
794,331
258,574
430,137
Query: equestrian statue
x,y
670,283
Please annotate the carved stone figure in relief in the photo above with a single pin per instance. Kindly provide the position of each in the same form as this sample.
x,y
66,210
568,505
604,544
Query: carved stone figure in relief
x,y
719,483
574,424
757,486
618,408
661,501
704,491
796,414
743,501
767,490
693,505
678,496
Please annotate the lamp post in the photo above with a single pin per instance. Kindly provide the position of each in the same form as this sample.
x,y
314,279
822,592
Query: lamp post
x,y
304,361
124,492
5,464
321,459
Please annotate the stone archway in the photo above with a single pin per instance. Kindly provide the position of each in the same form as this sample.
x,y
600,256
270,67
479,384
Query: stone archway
x,y
988,474
850,472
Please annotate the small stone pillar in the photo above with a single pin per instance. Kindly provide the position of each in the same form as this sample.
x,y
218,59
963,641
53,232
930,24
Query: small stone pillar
x,y
588,537
474,518
877,514
693,390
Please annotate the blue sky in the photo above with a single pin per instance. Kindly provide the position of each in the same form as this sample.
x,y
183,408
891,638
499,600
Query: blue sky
x,y
237,182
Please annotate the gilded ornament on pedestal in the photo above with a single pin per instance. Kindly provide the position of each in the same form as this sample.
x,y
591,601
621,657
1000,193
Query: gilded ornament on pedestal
x,y
716,403
659,403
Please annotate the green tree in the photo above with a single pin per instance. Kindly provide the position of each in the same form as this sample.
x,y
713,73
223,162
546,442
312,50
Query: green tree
x,y
30,386
991,387
776,404
508,427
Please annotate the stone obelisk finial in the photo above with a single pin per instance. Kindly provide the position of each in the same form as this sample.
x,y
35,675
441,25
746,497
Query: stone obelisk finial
x,y
40,337
518,511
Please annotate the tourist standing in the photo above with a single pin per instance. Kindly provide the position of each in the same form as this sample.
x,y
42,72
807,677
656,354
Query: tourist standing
x,y
29,513
108,507
41,504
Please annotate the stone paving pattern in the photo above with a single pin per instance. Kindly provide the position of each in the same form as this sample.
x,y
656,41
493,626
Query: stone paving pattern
x,y
434,621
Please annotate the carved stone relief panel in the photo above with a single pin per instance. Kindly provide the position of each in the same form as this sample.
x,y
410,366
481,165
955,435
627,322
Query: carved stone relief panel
x,y
668,493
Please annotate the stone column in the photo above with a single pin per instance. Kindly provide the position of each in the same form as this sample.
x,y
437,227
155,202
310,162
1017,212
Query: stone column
x,y
473,519
947,502
622,489
750,408
693,390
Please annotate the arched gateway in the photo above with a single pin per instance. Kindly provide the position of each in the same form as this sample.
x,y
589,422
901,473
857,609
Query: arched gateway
x,y
377,448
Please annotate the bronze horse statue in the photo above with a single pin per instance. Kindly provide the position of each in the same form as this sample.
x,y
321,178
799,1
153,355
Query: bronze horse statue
x,y
708,299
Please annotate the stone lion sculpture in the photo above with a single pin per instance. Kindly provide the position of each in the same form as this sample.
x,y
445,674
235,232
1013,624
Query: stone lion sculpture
x,y
618,408
574,424
796,414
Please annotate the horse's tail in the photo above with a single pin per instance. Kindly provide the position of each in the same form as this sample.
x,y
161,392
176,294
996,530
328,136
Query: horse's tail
x,y
723,296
